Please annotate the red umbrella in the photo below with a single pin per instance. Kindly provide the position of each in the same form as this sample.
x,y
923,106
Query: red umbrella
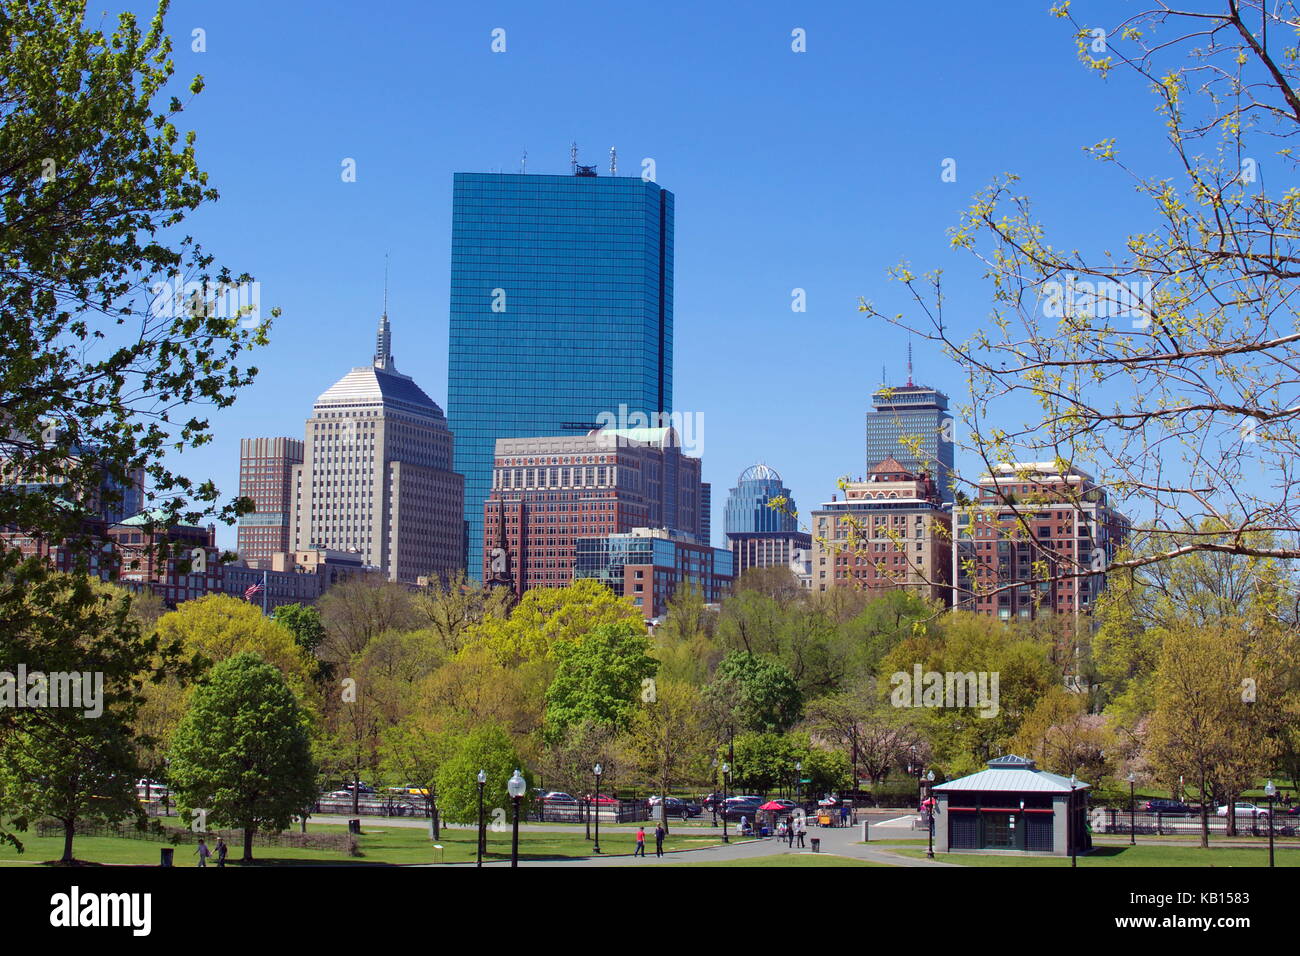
x,y
774,806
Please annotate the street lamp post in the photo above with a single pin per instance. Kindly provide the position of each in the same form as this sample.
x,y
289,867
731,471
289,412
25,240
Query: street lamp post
x,y
714,802
482,779
597,770
929,853
1132,830
516,787
726,785
1070,832
1270,791
798,780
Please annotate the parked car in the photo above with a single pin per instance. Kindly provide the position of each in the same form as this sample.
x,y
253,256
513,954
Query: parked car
x,y
678,807
603,800
712,800
745,806
1294,811
559,796
1167,807
1242,810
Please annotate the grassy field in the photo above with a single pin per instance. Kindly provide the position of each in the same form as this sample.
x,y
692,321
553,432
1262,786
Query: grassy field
x,y
792,859
1126,856
379,845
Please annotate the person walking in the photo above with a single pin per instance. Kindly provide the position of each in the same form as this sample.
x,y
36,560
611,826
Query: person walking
x,y
789,831
802,833
203,852
640,842
222,851
660,833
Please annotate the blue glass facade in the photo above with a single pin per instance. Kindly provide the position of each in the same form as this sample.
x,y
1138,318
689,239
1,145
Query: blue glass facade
x,y
561,312
748,508
907,412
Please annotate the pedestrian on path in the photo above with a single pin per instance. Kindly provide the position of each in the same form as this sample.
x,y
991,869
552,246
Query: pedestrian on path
x,y
802,832
222,851
789,831
660,833
640,842
203,852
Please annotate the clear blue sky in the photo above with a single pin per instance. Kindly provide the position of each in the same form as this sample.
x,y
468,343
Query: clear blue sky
x,y
816,170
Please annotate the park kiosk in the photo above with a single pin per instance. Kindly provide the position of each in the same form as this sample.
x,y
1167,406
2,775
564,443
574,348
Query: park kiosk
x,y
1012,807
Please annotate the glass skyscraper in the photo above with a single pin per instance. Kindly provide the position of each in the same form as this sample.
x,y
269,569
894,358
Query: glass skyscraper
x,y
748,509
906,412
561,314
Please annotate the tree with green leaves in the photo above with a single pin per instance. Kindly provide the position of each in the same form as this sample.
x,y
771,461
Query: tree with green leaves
x,y
242,752
107,327
487,748
669,737
760,694
411,753
73,763
600,678
303,622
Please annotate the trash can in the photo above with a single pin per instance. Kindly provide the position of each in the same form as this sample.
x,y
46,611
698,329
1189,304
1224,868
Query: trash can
x,y
354,826
167,854
816,845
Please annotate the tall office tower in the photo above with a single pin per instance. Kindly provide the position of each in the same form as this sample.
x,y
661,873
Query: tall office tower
x,y
376,477
266,476
890,532
549,492
749,503
759,535
561,314
910,418
1029,517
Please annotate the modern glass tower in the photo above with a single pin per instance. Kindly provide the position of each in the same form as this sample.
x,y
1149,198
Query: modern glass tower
x,y
561,314
909,418
748,509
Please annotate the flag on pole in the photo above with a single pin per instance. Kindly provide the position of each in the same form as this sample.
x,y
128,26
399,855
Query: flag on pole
x,y
252,591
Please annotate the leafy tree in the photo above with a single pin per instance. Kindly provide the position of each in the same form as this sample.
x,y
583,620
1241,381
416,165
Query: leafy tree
x,y
93,355
761,694
303,621
545,616
411,753
486,748
73,763
668,737
242,751
1202,728
567,762
1061,736
764,761
869,733
599,678
219,626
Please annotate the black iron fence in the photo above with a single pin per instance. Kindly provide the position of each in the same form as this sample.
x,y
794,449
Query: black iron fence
x,y
1112,820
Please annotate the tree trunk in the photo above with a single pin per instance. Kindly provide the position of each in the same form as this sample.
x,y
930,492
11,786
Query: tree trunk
x,y
248,844
356,795
69,831
433,813
1205,818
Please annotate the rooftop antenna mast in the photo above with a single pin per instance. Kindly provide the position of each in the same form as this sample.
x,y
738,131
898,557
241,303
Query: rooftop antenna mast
x,y
613,161
909,361
523,161
573,158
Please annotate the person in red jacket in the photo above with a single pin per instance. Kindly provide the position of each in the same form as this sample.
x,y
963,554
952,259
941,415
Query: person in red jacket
x,y
640,842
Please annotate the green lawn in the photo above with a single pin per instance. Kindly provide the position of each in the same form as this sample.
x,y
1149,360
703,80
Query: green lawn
x,y
1113,856
789,859
379,845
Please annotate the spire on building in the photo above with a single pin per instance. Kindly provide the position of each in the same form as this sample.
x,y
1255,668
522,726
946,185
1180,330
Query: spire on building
x,y
384,337
909,361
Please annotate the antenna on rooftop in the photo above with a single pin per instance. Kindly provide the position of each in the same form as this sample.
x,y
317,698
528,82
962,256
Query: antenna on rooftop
x,y
523,161
613,161
909,361
573,158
